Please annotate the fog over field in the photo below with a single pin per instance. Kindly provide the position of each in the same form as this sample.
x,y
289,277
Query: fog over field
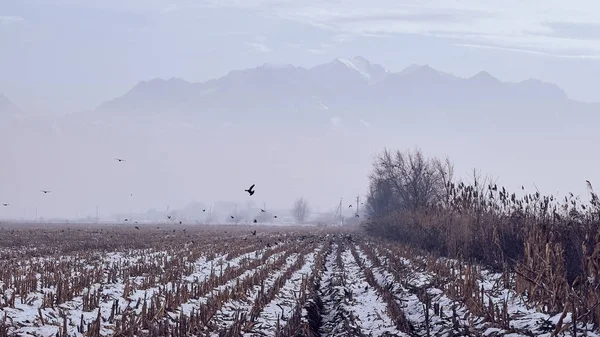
x,y
205,99
299,168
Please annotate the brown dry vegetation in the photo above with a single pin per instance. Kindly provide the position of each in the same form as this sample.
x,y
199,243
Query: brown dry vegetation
x,y
548,249
225,281
49,267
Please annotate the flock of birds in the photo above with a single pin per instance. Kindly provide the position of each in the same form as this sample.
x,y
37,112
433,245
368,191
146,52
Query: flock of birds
x,y
250,191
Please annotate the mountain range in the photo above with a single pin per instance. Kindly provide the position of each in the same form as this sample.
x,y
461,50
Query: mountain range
x,y
346,88
295,132
343,89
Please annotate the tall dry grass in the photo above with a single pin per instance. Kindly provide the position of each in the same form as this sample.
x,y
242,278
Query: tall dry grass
x,y
551,245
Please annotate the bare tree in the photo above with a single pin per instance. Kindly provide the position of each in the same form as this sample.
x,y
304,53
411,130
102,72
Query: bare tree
x,y
300,210
407,181
445,169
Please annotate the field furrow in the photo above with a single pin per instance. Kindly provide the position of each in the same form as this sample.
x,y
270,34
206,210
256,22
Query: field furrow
x,y
279,310
237,282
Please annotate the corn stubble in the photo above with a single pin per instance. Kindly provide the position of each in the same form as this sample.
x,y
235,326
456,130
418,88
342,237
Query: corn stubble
x,y
118,281
126,283
547,251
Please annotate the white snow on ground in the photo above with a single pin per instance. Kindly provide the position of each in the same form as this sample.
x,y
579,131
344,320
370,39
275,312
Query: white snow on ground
x,y
524,319
228,310
344,291
285,302
353,299
24,313
247,273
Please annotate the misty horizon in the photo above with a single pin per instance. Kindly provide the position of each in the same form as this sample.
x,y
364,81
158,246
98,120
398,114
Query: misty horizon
x,y
294,98
309,168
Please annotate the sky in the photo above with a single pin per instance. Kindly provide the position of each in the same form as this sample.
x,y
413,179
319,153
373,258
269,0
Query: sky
x,y
65,56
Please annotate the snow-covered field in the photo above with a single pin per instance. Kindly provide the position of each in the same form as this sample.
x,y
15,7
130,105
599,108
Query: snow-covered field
x,y
249,281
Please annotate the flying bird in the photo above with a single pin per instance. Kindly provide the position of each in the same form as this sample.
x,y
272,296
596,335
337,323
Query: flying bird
x,y
204,210
136,227
349,206
119,160
254,232
255,221
250,190
589,185
45,192
262,210
126,220
275,216
5,205
231,216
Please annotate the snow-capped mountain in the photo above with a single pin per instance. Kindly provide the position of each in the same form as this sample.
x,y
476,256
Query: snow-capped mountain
x,y
373,73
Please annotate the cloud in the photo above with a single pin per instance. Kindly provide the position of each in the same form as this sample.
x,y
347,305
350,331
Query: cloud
x,y
7,20
259,47
526,51
341,38
317,51
572,30
560,28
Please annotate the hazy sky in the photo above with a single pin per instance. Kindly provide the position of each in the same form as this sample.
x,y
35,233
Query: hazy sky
x,y
66,55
